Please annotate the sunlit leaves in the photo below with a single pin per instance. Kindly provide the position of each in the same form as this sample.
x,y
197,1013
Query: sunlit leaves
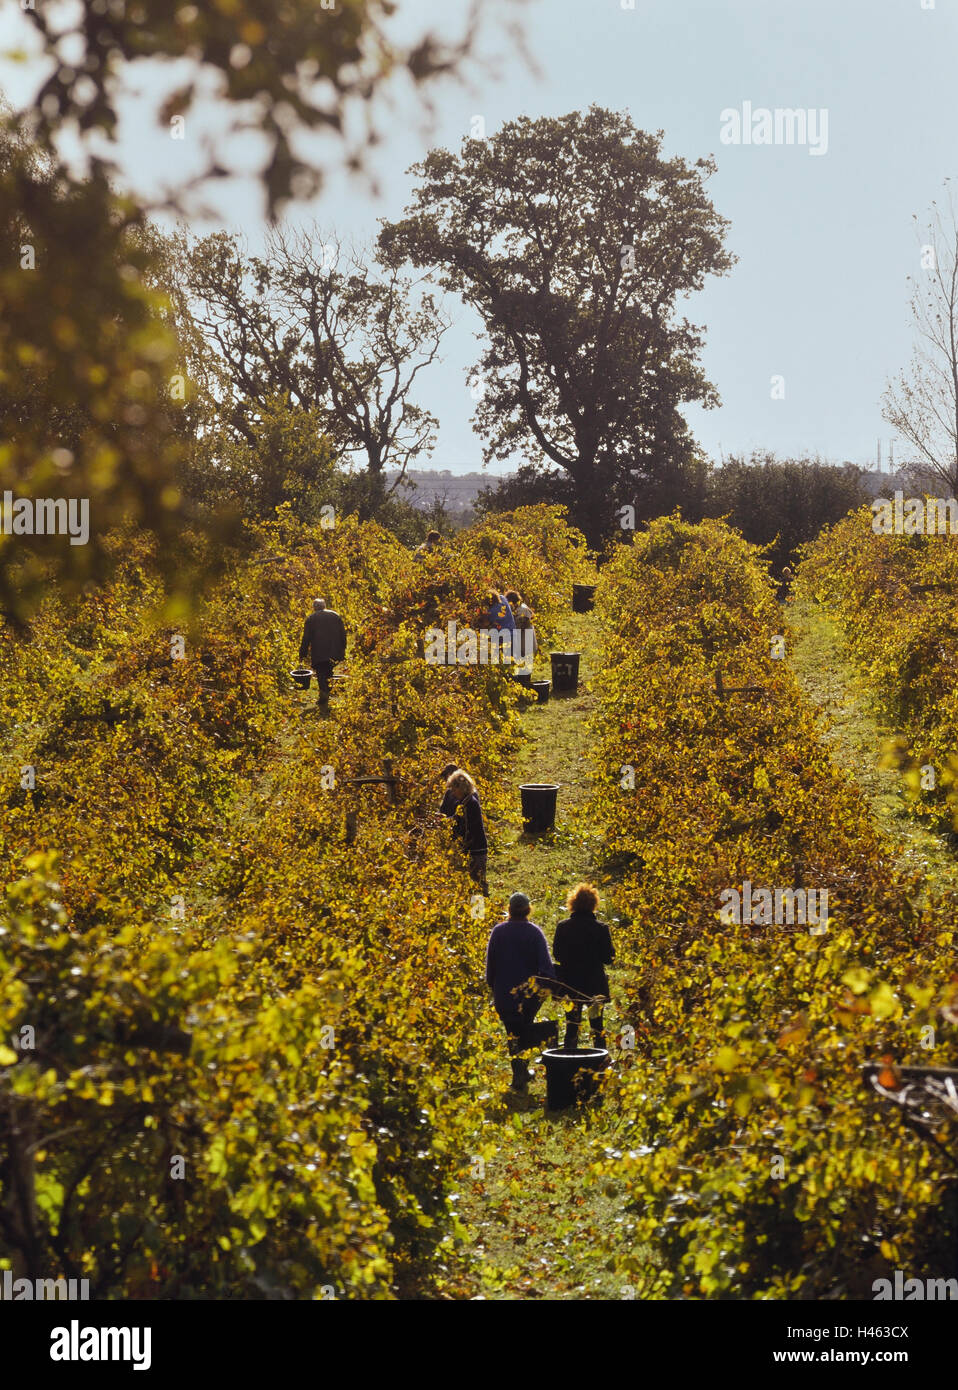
x,y
773,1172
298,1036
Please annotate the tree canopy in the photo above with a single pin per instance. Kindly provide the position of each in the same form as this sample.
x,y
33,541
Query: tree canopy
x,y
96,399
575,241
342,339
280,71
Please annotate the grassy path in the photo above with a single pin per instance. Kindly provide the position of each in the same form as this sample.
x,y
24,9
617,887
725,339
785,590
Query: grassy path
x,y
533,1217
856,729
535,1223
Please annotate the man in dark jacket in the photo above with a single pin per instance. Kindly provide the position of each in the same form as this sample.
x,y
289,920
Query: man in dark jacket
x,y
324,642
518,968
583,948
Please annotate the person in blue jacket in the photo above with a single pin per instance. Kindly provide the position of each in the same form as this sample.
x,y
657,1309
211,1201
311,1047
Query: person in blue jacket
x,y
500,614
499,617
519,971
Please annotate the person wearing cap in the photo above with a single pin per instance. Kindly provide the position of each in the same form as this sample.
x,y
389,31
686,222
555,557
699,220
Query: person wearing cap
x,y
518,969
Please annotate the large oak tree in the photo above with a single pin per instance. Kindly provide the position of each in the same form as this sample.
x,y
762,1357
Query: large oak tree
x,y
576,241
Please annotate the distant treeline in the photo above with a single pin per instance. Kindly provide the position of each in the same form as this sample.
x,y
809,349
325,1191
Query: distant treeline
x,y
778,502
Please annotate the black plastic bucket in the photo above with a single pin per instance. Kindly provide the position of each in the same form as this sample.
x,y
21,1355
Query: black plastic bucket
x,y
539,805
565,671
301,677
542,689
572,1076
524,678
583,598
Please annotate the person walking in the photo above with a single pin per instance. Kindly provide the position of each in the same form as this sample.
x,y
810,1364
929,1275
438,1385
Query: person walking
x,y
582,948
461,801
324,642
519,970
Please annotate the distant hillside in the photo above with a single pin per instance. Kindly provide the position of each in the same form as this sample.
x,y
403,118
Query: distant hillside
x,y
457,490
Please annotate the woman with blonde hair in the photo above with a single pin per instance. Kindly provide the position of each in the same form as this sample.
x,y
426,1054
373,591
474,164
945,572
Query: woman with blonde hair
x,y
581,950
462,802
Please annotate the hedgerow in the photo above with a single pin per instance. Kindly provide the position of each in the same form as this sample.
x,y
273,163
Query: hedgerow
x,y
240,990
758,1164
894,599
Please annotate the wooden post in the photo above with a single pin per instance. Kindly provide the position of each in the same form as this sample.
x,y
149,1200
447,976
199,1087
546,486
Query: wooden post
x,y
798,868
388,780
721,689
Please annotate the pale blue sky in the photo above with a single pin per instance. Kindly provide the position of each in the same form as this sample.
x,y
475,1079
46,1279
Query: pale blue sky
x,y
824,243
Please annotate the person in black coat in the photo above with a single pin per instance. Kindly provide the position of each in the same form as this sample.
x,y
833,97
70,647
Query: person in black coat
x,y
520,973
581,950
449,802
324,642
462,801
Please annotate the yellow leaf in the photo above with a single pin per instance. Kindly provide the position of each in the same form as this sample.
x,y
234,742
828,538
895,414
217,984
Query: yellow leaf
x,y
726,1059
857,979
883,1001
